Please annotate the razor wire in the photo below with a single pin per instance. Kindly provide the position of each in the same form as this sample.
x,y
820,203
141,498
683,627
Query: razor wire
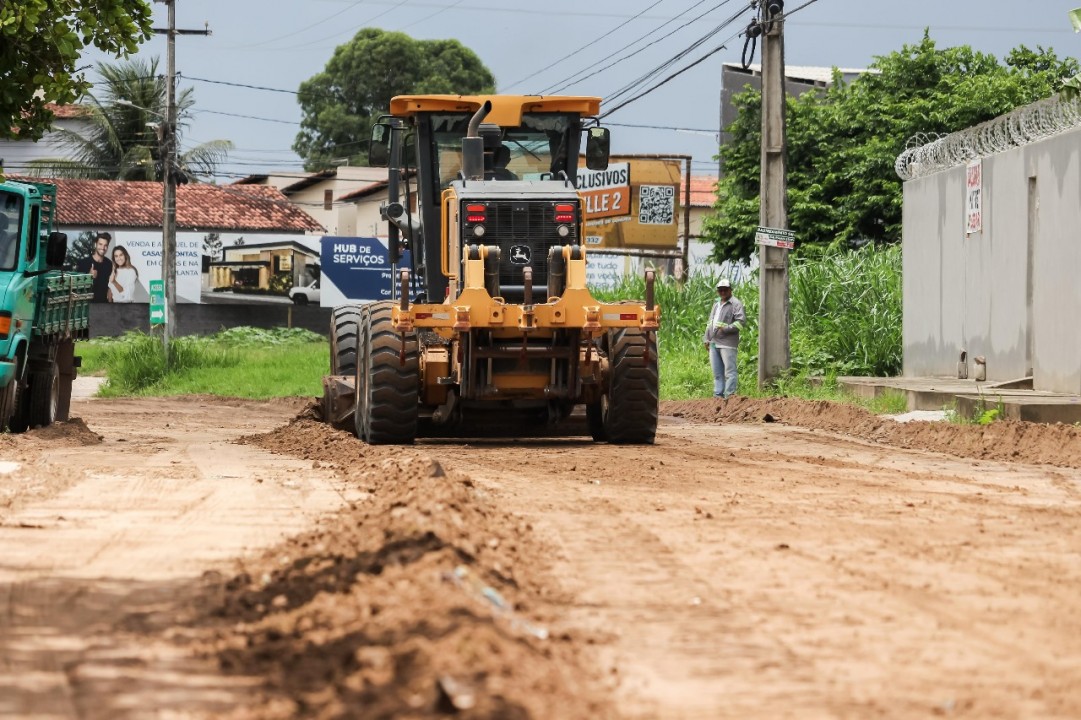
x,y
927,153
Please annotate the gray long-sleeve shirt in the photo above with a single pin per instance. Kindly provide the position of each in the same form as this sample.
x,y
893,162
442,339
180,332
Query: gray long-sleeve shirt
x,y
725,321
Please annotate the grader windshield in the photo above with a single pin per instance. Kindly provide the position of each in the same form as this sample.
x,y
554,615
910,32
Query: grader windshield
x,y
537,148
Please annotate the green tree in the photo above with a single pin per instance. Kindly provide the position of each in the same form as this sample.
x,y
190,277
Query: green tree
x,y
340,104
121,139
842,144
212,245
41,42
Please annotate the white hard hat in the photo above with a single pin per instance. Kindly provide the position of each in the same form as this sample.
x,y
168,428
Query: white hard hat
x,y
723,282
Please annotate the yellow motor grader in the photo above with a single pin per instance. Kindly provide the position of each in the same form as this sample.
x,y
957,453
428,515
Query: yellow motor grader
x,y
492,325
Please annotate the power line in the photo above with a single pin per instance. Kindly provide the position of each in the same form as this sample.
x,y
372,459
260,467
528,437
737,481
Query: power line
x,y
363,23
674,75
790,13
247,117
561,85
578,50
430,16
677,57
242,85
294,33
665,127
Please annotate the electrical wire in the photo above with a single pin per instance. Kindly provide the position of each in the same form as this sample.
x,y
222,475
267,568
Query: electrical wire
x,y
631,86
580,49
790,13
235,84
664,127
306,27
574,78
246,117
674,75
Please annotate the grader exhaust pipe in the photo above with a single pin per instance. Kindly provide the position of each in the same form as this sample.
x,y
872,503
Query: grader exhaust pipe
x,y
473,145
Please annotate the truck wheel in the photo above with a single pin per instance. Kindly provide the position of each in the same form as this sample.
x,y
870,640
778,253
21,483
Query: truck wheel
x,y
65,363
20,421
387,380
344,326
44,395
300,299
8,399
627,414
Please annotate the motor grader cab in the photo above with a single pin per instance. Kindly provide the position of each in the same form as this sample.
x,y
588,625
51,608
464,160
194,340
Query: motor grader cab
x,y
492,325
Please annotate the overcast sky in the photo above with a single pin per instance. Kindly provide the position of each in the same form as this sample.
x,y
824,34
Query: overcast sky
x,y
280,44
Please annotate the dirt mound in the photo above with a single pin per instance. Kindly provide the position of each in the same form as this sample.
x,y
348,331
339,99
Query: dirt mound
x,y
420,601
69,432
1002,440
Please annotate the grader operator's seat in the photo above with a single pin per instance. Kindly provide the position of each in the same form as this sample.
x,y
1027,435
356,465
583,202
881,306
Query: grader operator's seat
x,y
496,154
500,158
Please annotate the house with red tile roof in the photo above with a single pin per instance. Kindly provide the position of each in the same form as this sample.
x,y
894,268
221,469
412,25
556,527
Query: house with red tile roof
x,y
322,194
703,196
280,240
119,204
16,155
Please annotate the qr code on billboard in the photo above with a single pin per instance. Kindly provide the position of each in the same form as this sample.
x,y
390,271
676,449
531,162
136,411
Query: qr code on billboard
x,y
656,204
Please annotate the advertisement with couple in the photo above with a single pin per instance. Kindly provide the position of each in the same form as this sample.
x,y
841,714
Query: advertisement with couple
x,y
116,279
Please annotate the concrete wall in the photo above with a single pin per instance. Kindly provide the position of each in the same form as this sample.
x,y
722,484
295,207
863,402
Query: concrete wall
x,y
1010,292
110,320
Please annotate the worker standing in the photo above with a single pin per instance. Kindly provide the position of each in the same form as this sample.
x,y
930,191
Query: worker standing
x,y
726,319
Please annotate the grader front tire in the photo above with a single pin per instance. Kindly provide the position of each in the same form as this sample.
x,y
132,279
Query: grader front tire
x,y
627,414
388,379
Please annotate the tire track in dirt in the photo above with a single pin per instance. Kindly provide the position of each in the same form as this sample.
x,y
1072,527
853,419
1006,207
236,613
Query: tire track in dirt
x,y
731,570
842,571
102,564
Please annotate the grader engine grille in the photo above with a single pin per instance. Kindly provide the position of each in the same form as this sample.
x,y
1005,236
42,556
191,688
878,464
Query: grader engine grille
x,y
523,230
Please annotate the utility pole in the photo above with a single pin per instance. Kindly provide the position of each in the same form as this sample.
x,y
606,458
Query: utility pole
x,y
170,170
773,348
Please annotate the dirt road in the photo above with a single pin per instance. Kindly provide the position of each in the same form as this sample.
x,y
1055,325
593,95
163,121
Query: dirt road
x,y
735,569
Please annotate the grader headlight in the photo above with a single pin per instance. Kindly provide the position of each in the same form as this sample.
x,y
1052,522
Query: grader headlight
x,y
476,215
565,216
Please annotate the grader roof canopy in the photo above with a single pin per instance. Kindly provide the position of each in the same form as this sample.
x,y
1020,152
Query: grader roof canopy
x,y
507,110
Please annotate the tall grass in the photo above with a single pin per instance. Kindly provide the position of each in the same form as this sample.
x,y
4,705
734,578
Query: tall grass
x,y
844,319
240,362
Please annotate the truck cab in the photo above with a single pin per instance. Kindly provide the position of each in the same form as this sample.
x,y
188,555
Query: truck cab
x,y
42,310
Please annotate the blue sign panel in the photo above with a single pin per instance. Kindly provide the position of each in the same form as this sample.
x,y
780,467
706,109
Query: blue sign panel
x,y
356,269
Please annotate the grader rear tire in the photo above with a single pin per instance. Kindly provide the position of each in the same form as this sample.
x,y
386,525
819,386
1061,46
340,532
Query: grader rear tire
x,y
344,326
388,380
627,413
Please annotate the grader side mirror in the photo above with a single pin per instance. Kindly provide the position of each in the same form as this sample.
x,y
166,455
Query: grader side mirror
x,y
598,141
379,146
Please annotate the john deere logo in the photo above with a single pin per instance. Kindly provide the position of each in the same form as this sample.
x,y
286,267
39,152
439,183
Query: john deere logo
x,y
520,255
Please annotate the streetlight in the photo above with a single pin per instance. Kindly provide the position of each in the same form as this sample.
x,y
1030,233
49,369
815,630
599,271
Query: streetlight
x,y
167,139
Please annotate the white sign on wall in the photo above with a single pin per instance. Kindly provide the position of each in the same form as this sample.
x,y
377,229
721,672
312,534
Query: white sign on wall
x,y
605,271
974,197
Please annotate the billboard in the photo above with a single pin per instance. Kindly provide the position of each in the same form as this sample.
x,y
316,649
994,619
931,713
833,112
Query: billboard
x,y
124,262
634,204
356,269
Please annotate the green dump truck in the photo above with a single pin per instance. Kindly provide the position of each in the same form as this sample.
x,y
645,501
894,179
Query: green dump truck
x,y
43,310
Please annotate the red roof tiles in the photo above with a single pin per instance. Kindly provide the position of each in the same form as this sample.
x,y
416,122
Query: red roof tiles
x,y
114,203
703,190
64,112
